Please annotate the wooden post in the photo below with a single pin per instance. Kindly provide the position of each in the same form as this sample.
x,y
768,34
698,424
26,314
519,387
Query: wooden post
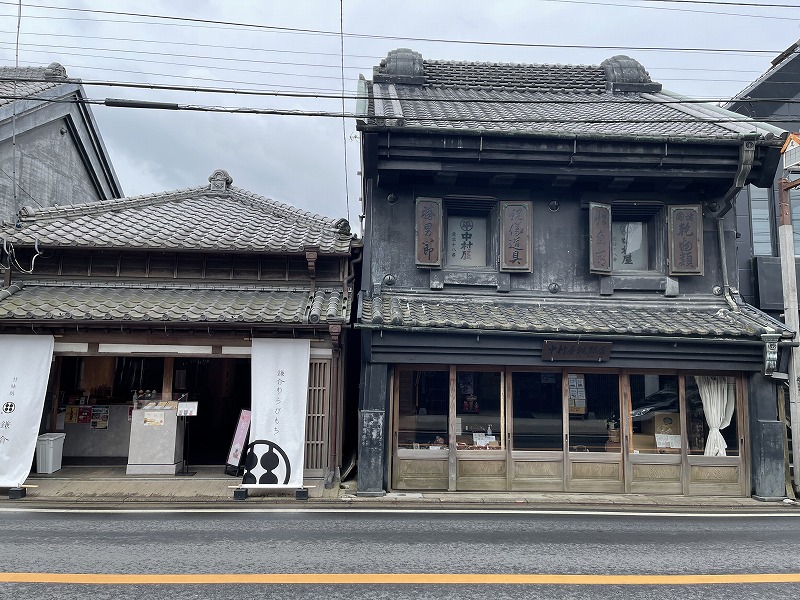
x,y
55,387
166,386
791,314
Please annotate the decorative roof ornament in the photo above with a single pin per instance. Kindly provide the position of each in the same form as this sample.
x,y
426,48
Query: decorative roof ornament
x,y
400,66
55,71
624,74
220,181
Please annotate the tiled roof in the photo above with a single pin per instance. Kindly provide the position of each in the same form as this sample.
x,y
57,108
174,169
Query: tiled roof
x,y
513,77
85,303
190,219
55,73
615,99
548,316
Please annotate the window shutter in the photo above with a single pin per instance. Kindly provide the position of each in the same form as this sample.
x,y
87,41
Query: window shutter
x,y
516,225
600,238
685,224
429,232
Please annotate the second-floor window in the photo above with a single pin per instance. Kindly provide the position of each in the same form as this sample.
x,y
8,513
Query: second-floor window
x,y
483,234
629,246
466,239
645,238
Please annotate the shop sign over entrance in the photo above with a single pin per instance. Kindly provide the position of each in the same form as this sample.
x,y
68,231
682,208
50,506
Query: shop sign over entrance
x,y
576,350
24,370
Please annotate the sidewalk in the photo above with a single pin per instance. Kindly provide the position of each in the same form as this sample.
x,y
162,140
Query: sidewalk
x,y
210,487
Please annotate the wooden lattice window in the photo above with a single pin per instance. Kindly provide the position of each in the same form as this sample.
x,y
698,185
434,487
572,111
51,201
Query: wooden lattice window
x,y
317,410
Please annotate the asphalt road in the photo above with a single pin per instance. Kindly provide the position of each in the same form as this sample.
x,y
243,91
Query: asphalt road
x,y
343,549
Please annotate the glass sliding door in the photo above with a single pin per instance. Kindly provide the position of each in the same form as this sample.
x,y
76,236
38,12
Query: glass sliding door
x,y
421,426
537,431
594,451
480,429
538,420
655,434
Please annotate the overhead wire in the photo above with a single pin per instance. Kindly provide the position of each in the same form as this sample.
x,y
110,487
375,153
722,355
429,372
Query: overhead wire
x,y
124,103
322,32
686,10
344,122
343,95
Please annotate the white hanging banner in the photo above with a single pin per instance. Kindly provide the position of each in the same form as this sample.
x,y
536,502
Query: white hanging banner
x,y
24,371
278,419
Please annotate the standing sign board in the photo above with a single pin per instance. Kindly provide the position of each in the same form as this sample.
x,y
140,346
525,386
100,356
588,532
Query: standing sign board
x,y
279,398
187,409
24,371
239,437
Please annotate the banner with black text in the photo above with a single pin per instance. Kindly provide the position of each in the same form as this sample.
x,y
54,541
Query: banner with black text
x,y
24,371
278,420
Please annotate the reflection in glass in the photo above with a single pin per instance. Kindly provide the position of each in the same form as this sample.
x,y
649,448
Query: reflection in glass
x,y
593,407
423,402
655,414
629,246
479,423
711,421
538,422
466,241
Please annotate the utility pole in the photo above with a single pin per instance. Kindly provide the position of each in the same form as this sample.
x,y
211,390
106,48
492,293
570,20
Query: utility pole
x,y
791,316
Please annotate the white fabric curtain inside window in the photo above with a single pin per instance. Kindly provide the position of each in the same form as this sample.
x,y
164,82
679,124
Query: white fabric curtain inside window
x,y
718,399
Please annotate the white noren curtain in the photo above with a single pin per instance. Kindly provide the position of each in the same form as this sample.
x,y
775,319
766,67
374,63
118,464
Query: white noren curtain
x,y
719,399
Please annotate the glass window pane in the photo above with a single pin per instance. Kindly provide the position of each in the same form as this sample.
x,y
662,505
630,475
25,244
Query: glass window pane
x,y
538,420
655,414
794,201
759,221
466,242
593,406
479,424
711,419
629,246
423,402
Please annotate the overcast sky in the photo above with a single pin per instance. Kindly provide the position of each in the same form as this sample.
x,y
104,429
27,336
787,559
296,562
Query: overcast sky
x,y
257,45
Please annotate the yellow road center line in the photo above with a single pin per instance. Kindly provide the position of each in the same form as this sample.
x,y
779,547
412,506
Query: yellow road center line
x,y
402,578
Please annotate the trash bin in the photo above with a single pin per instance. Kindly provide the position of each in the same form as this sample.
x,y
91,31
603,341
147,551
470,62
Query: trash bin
x,y
49,448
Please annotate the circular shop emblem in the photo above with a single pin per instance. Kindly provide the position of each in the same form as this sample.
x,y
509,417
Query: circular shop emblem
x,y
9,407
466,225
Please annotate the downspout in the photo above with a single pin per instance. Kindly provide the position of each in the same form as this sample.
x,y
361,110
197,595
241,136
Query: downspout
x,y
747,153
726,287
335,331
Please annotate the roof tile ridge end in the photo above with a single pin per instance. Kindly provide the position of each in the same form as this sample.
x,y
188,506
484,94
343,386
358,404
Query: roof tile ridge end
x,y
288,210
99,206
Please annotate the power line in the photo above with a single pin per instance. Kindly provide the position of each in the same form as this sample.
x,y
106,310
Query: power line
x,y
194,44
718,3
284,51
194,20
344,125
200,56
125,103
195,65
685,10
60,47
343,95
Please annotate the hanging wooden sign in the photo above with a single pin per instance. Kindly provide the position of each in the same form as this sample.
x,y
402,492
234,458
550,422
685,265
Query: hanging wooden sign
x,y
429,232
600,238
515,236
686,240
576,350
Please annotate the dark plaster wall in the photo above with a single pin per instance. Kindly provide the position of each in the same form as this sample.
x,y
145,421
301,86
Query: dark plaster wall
x,y
560,242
